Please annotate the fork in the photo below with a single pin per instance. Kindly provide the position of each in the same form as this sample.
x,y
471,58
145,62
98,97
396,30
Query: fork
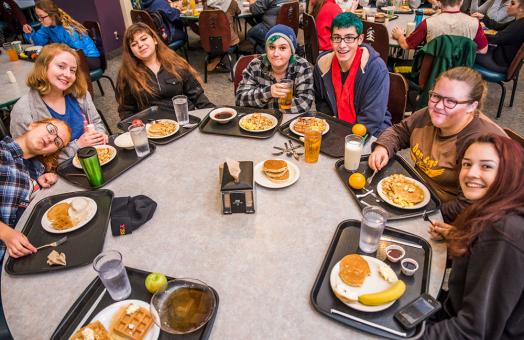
x,y
370,179
53,244
426,217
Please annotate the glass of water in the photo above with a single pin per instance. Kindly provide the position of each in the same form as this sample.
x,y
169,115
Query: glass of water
x,y
181,110
363,3
112,272
371,228
414,4
139,137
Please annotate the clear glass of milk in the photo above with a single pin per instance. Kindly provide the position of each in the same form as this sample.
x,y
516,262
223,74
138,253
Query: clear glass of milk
x,y
352,152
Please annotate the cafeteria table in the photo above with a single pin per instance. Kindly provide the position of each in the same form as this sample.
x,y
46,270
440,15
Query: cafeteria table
x,y
262,265
12,91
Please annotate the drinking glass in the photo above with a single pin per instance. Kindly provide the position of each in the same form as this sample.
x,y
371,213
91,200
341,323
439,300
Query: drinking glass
x,y
181,110
284,103
139,137
312,141
112,272
414,4
363,3
397,4
352,152
10,51
371,228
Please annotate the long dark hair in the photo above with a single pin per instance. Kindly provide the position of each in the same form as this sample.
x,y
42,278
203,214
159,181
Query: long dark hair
x,y
316,8
505,195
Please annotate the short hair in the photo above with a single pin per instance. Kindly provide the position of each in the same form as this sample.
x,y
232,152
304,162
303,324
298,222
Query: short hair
x,y
37,79
449,3
347,20
473,79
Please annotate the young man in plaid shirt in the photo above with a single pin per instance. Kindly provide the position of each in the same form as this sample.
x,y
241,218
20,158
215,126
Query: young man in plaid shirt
x,y
260,86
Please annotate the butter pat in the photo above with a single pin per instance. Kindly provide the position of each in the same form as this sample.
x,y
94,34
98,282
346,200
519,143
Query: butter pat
x,y
88,334
387,273
131,309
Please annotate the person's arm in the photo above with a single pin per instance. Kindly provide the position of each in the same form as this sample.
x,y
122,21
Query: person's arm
x,y
21,117
249,91
398,136
451,209
481,41
195,93
259,7
414,39
321,102
498,10
304,94
484,7
494,25
16,243
39,37
474,6
92,115
505,37
127,102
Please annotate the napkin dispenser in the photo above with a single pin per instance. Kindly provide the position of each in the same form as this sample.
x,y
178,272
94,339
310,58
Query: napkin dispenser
x,y
238,196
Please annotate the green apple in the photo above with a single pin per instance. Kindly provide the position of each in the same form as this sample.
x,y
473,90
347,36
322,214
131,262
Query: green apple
x,y
155,282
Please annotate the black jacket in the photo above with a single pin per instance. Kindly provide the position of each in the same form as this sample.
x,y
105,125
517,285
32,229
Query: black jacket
x,y
508,42
168,86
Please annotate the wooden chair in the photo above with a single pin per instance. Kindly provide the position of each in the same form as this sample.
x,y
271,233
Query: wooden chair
x,y
288,15
240,65
215,37
501,78
4,126
398,96
515,136
310,38
377,36
93,29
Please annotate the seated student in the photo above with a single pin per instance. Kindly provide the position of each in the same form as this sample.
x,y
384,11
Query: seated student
x,y
324,11
22,174
59,27
437,134
492,11
450,21
352,81
172,14
505,44
268,9
58,89
260,85
485,299
152,74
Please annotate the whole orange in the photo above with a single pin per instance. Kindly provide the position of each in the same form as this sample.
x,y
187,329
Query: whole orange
x,y
359,129
357,181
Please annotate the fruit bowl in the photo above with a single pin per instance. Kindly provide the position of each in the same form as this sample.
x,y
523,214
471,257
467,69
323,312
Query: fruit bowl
x,y
183,306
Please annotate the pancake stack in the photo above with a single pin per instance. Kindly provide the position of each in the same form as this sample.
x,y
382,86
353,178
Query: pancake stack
x,y
276,170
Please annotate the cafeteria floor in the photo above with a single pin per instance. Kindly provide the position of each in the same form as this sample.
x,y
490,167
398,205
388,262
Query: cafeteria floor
x,y
219,90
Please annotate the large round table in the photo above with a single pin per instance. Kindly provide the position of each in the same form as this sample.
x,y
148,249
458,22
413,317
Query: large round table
x,y
263,265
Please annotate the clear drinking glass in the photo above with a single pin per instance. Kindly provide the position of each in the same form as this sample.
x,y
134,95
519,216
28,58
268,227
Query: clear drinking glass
x,y
312,142
371,228
363,3
181,110
113,274
414,4
139,137
352,152
284,103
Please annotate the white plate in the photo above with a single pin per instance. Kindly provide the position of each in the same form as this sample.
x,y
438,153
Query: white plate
x,y
273,118
76,161
261,178
48,226
162,120
292,126
374,283
105,316
427,195
124,141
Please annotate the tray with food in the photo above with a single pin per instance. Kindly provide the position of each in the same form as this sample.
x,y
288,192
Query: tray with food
x,y
81,216
397,188
381,17
162,127
334,131
365,290
242,122
403,10
115,158
95,309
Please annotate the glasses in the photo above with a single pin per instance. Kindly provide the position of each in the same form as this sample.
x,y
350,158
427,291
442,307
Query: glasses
x,y
449,103
42,17
53,131
348,39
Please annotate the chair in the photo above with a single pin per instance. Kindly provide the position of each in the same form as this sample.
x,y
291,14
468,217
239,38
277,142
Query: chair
x,y
310,38
240,65
377,36
215,37
288,15
93,29
138,15
398,96
501,78
4,131
515,136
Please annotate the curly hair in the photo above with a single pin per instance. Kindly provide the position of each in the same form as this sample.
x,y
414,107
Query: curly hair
x,y
60,17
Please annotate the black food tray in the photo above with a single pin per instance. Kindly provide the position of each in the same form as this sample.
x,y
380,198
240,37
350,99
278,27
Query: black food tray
x,y
396,165
382,21
153,113
88,298
233,129
345,241
333,141
82,245
124,160
398,11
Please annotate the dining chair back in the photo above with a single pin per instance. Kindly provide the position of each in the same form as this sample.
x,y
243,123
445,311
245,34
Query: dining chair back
x,y
310,38
240,65
288,15
93,29
377,36
515,136
398,96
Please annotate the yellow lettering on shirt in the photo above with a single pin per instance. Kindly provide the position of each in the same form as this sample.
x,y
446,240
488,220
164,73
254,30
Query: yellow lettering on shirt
x,y
425,163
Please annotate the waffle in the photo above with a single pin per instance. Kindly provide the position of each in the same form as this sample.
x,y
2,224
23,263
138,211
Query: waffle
x,y
97,330
132,326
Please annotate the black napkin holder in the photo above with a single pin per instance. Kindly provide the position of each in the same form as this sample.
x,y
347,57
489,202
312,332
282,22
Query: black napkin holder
x,y
238,197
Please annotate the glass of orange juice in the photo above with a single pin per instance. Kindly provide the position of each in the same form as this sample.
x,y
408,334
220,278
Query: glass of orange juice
x,y
312,141
10,51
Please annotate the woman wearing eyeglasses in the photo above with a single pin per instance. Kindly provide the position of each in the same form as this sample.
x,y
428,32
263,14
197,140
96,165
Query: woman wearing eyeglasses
x,y
59,27
58,89
437,134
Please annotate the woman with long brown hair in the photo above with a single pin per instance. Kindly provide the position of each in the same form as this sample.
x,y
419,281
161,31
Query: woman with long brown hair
x,y
152,73
324,11
486,284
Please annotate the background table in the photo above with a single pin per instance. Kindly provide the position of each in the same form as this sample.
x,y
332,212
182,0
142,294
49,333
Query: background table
x,y
12,91
262,265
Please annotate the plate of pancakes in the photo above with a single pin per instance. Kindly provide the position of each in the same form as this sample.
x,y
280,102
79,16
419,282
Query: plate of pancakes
x,y
276,173
162,128
403,192
299,125
69,214
106,153
356,275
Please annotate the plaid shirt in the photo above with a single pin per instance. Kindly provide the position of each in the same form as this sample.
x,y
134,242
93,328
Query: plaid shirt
x,y
255,87
15,180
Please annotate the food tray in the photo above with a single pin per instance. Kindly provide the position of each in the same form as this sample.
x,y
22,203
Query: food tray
x,y
399,11
233,129
333,141
91,302
155,113
396,165
124,160
383,20
345,241
82,245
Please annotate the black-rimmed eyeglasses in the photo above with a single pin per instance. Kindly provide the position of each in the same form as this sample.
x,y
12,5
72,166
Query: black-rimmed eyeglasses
x,y
348,39
449,103
42,17
53,131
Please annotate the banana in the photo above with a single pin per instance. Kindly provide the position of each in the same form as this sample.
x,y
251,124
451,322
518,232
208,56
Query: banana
x,y
391,294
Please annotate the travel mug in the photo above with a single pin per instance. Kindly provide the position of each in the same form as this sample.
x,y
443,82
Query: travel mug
x,y
88,158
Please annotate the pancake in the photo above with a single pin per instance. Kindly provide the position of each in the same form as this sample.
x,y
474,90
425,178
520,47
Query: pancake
x,y
275,166
401,190
353,270
95,329
278,178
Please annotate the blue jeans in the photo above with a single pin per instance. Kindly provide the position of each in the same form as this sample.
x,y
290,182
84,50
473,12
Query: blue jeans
x,y
257,36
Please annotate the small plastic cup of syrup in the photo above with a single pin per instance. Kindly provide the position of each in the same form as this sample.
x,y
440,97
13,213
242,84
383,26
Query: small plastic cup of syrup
x,y
409,266
395,253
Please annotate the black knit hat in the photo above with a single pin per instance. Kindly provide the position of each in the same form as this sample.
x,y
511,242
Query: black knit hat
x,y
129,213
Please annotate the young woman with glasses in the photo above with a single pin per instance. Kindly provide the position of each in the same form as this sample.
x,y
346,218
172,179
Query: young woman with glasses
x,y
437,134
59,27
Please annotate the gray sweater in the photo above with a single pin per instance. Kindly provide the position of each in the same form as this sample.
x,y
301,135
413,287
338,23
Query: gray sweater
x,y
31,107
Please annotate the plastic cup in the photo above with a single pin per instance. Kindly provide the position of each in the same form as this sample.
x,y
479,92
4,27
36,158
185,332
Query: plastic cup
x,y
371,228
113,274
140,140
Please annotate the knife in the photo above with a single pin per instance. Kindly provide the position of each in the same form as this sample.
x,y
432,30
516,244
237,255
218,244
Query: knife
x,y
394,240
369,323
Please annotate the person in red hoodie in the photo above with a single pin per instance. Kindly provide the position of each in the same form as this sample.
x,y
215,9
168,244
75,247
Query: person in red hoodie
x,y
324,11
